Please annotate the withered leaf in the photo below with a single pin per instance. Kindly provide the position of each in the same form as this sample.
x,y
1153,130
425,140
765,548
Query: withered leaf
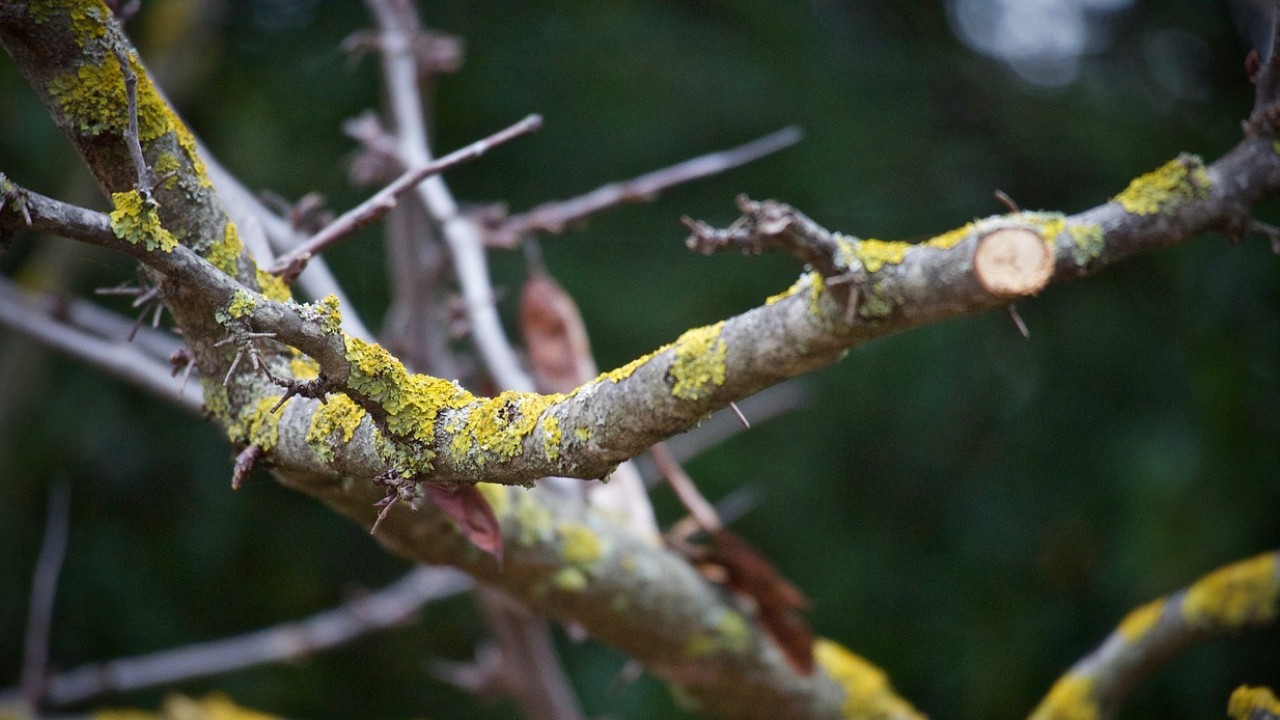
x,y
472,514
554,335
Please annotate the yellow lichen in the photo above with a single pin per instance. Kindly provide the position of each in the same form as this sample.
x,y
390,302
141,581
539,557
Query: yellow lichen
x,y
569,579
867,693
1139,622
224,253
579,545
796,287
875,254
1236,595
242,304
272,287
582,434
1089,243
816,286
304,368
1244,700
730,635
93,97
88,17
1071,698
334,422
134,220
699,362
1165,188
262,426
411,402
621,373
551,431
330,313
498,497
496,427
949,239
167,167
534,523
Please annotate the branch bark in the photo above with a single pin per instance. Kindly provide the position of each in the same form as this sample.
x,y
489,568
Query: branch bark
x,y
574,564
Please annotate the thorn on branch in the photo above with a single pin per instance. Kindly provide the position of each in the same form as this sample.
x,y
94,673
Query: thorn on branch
x,y
1007,201
244,463
182,360
1017,320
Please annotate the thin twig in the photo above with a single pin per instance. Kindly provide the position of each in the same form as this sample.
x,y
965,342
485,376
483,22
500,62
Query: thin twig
x,y
1018,322
555,216
701,510
44,589
131,139
292,263
390,607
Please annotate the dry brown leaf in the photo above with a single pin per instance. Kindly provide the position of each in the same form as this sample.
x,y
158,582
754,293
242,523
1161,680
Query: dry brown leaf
x,y
472,514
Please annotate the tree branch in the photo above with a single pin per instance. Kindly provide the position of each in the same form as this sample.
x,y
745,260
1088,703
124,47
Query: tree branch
x,y
1239,596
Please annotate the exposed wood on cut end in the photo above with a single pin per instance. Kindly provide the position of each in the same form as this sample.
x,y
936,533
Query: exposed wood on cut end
x,y
1013,262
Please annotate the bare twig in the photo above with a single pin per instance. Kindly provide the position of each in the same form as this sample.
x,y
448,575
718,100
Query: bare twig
x,y
770,225
1018,322
44,588
390,607
555,216
701,510
292,262
144,184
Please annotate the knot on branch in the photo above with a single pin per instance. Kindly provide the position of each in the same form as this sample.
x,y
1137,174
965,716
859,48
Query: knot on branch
x,y
767,226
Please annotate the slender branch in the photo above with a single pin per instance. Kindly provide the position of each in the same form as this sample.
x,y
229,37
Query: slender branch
x,y
391,607
697,505
292,262
1243,595
44,588
126,361
555,216
461,234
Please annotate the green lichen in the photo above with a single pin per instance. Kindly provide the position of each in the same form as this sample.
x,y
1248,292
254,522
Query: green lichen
x,y
253,424
1178,181
335,422
262,426
875,254
135,221
1089,243
730,635
552,435
699,362
224,253
875,304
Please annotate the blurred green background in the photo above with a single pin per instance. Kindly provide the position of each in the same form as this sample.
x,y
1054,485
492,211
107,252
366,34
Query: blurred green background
x,y
971,510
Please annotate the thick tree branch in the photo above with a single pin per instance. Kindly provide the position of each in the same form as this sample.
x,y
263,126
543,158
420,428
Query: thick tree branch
x,y
574,564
